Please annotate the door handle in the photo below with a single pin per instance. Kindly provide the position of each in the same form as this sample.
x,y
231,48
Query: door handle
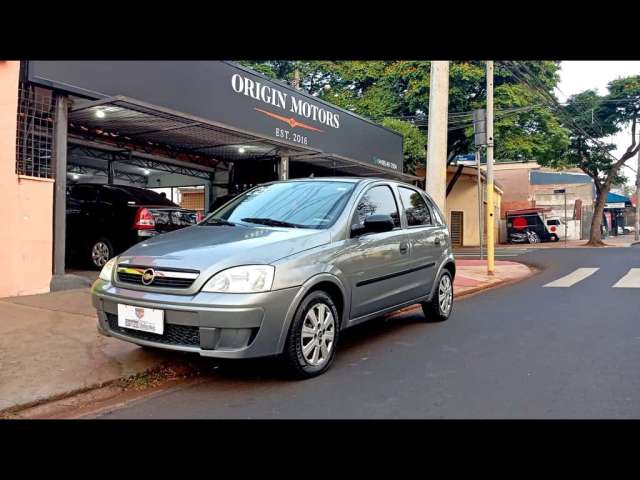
x,y
404,248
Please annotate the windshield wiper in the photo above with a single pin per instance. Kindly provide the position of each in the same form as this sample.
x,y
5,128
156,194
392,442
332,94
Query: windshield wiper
x,y
272,223
218,221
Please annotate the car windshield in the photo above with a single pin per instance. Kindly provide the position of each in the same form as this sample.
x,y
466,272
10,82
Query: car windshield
x,y
302,204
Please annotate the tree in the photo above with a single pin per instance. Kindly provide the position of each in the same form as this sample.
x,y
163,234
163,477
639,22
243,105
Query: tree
x,y
400,89
592,118
415,143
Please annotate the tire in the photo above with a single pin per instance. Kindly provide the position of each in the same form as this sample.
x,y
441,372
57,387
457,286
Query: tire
x,y
438,309
99,252
533,238
303,355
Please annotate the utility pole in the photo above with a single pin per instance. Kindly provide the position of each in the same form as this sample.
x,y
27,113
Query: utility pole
x,y
490,207
480,141
480,222
296,79
636,233
436,179
566,223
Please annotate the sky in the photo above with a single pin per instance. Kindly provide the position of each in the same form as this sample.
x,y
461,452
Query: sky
x,y
576,77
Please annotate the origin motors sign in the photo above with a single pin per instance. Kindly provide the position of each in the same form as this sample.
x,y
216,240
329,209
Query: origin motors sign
x,y
284,101
234,97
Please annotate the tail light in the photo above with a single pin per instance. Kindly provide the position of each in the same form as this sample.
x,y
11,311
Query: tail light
x,y
199,217
144,220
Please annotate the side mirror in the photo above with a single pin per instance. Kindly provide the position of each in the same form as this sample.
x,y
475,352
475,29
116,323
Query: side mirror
x,y
378,224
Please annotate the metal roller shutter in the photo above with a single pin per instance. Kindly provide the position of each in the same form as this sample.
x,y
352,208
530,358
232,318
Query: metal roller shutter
x,y
456,228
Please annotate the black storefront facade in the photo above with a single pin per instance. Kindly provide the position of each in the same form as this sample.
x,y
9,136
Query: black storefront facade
x,y
216,122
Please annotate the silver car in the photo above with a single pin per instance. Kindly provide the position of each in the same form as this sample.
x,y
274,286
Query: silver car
x,y
282,270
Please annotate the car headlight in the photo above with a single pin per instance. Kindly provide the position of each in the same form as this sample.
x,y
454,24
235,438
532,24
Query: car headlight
x,y
244,279
107,270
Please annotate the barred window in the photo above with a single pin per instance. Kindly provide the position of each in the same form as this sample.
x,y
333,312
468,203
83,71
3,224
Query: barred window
x,y
34,139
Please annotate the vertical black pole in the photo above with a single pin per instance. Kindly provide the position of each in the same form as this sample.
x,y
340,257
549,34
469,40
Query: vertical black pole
x,y
60,191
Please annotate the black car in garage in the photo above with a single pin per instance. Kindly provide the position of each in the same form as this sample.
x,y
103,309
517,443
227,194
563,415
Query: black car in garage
x,y
105,220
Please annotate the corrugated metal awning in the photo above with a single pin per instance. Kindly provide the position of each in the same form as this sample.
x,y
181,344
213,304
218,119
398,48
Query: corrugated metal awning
x,y
128,120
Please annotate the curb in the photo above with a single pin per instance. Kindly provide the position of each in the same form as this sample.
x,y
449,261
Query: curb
x,y
472,291
14,409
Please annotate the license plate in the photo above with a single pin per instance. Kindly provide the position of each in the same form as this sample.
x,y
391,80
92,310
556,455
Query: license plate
x,y
139,318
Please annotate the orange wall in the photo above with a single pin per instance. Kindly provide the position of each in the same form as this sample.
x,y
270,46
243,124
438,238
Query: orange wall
x,y
26,206
515,184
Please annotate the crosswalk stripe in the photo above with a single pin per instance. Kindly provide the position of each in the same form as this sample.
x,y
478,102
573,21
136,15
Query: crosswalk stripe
x,y
630,280
574,277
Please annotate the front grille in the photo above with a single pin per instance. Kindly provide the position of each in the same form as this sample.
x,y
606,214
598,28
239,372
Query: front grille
x,y
163,279
173,334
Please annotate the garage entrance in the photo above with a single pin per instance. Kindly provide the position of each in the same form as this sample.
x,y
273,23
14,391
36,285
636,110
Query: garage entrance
x,y
198,133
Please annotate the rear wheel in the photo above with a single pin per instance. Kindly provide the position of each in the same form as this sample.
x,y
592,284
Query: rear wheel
x,y
100,252
439,307
313,335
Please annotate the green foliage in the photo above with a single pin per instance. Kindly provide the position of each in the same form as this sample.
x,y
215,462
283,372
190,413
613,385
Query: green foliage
x,y
415,142
592,118
384,89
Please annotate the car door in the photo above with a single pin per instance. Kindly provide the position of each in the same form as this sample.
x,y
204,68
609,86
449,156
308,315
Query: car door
x,y
375,263
425,238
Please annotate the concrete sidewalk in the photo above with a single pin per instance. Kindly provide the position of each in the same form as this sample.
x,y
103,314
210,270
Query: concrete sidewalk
x,y
49,346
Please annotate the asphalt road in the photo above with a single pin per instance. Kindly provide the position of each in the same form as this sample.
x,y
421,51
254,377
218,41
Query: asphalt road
x,y
522,351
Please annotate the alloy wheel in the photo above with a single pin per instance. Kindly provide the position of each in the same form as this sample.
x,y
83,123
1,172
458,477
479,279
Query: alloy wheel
x,y
100,254
445,294
318,333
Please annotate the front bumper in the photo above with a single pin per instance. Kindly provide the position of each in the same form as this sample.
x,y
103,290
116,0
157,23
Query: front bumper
x,y
210,324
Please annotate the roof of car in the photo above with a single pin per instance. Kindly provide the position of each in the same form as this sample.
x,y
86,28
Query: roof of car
x,y
343,179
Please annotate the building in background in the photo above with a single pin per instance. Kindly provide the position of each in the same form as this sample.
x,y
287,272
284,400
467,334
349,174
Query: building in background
x,y
528,185
462,205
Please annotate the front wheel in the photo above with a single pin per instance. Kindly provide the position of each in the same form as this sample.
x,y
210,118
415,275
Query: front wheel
x,y
313,335
439,307
533,237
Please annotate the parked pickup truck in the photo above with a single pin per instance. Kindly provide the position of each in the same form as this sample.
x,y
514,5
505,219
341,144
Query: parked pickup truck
x,y
533,225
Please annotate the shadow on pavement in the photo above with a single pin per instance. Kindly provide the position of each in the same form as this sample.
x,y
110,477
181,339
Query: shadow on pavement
x,y
273,369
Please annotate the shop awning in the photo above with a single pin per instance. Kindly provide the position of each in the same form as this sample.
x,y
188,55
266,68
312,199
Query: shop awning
x,y
615,200
124,120
128,120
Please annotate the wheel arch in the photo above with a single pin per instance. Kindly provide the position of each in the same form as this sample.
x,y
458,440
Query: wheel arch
x,y
322,281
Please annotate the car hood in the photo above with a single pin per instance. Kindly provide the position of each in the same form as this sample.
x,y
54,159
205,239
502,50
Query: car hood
x,y
215,247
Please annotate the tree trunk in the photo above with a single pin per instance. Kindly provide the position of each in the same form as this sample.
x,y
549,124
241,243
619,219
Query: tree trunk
x,y
595,235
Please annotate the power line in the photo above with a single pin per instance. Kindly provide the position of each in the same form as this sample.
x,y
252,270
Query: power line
x,y
552,102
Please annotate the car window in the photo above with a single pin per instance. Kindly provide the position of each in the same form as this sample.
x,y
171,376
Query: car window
x,y
415,207
379,201
84,193
305,204
436,213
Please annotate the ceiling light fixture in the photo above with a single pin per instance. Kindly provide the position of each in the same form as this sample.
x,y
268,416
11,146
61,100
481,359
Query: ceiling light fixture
x,y
241,150
100,113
